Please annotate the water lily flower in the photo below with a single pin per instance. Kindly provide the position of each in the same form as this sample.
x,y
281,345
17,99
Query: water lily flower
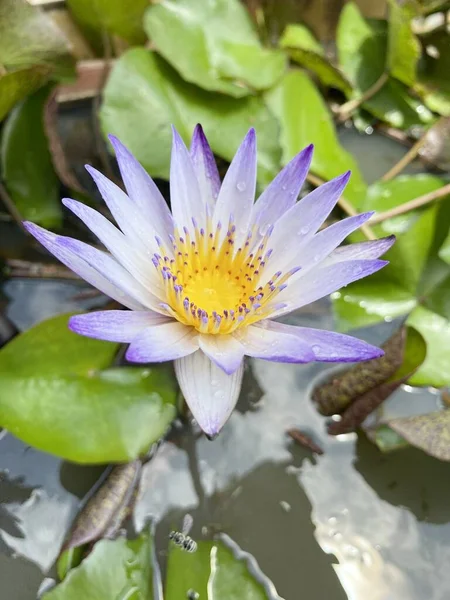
x,y
206,283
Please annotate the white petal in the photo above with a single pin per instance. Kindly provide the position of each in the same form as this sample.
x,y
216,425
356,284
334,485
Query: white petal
x,y
161,343
224,350
210,393
259,341
205,168
115,325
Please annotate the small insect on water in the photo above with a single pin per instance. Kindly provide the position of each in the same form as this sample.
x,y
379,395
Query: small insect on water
x,y
181,538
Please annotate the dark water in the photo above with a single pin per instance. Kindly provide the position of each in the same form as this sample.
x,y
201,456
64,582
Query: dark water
x,y
349,524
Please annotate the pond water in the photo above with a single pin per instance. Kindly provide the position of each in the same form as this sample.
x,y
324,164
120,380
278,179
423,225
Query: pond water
x,y
351,523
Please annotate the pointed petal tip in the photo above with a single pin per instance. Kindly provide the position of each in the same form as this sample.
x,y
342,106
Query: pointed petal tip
x,y
211,436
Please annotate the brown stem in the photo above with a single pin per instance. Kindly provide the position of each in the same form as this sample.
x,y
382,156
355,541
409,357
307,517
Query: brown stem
x,y
11,207
26,268
411,205
349,107
405,160
346,206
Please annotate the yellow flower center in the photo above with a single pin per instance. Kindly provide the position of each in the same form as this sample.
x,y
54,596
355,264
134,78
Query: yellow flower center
x,y
213,286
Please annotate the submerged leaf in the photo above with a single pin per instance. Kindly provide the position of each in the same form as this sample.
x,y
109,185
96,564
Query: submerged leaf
x,y
386,439
305,50
430,432
26,163
214,45
304,119
412,356
58,396
144,96
334,396
119,570
103,507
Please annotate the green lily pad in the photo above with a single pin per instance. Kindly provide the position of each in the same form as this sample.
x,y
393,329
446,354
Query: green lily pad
x,y
305,50
362,49
112,16
444,252
429,432
116,569
214,45
15,85
144,96
404,48
57,394
304,119
26,163
213,572
29,37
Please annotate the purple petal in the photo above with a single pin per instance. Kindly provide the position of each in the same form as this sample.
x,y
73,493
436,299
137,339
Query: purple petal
x,y
237,193
224,350
205,167
363,249
283,192
324,242
299,224
185,196
142,190
163,342
114,325
105,274
323,281
126,213
260,341
329,346
117,243
210,393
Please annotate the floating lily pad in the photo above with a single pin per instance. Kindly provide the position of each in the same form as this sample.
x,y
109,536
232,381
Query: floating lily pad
x,y
58,395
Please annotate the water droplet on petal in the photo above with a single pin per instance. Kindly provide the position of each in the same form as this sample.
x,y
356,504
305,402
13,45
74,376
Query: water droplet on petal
x,y
241,186
316,348
304,230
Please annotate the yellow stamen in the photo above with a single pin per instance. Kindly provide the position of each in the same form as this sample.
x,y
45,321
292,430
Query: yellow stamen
x,y
214,287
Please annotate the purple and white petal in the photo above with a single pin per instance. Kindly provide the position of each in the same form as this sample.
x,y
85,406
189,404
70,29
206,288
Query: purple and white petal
x,y
224,350
324,242
105,275
160,343
210,393
299,224
205,168
329,346
118,244
185,197
115,325
260,341
282,193
237,193
127,215
323,281
143,191
366,250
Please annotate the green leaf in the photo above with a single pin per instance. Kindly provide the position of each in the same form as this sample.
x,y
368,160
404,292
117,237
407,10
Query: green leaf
x,y
68,560
115,570
213,44
362,50
436,331
309,121
430,432
117,17
57,395
433,81
17,84
387,439
305,50
444,252
211,571
26,163
404,49
144,96
29,37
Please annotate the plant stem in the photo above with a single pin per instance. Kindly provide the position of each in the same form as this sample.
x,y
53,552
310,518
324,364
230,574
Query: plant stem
x,y
405,160
11,207
346,206
346,109
411,205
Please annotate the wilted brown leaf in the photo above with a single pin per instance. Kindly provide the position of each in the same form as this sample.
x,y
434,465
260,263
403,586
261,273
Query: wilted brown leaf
x,y
430,432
